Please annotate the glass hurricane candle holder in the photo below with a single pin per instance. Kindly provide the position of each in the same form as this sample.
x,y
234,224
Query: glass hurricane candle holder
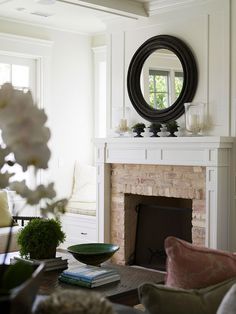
x,y
194,117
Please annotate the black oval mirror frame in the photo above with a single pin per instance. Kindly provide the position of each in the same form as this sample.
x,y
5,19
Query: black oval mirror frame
x,y
190,74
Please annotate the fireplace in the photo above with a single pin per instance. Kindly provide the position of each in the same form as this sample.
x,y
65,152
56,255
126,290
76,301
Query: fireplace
x,y
154,224
176,187
195,169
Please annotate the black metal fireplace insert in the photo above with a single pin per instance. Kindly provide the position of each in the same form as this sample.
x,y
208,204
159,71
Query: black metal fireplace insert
x,y
154,224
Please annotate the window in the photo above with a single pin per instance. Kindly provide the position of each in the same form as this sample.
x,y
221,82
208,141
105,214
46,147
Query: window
x,y
18,71
159,89
179,77
164,87
26,63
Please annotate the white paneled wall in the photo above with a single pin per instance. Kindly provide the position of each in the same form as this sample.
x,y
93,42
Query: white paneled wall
x,y
206,30
209,29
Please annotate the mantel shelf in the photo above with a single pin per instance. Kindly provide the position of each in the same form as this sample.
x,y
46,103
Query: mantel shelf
x,y
202,151
168,140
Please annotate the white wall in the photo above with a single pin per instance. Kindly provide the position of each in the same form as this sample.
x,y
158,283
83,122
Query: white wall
x,y
69,99
206,30
209,29
71,111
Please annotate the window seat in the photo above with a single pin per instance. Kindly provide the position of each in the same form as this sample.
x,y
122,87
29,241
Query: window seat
x,y
81,208
80,222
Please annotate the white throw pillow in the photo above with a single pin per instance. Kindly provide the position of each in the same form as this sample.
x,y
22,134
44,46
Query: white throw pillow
x,y
84,187
5,215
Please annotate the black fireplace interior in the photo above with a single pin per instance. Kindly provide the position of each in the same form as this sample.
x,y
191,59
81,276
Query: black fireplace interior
x,y
154,224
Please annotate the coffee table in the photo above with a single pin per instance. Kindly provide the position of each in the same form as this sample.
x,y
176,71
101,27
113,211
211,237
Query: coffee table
x,y
123,292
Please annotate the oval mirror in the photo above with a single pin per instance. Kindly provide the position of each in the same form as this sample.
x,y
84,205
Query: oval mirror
x,y
162,76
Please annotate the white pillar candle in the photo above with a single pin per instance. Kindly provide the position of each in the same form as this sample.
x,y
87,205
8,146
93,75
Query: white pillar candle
x,y
193,121
123,124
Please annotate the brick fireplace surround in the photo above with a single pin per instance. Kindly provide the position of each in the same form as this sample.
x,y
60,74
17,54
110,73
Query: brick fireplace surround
x,y
183,168
186,182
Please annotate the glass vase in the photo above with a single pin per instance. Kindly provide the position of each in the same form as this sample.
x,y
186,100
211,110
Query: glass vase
x,y
194,118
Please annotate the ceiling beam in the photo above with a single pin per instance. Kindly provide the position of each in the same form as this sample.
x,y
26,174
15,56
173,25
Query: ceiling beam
x,y
127,8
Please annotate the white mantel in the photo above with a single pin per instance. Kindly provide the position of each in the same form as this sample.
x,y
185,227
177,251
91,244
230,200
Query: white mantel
x,y
215,153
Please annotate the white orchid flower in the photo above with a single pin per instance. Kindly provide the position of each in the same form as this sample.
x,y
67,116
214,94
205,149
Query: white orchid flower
x,y
55,208
6,95
19,187
35,154
3,153
4,179
33,197
20,133
25,137
41,192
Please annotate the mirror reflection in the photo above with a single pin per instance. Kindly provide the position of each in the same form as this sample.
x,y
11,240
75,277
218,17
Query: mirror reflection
x,y
161,79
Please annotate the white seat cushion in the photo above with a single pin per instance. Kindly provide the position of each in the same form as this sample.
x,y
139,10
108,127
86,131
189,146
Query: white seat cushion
x,y
4,232
81,208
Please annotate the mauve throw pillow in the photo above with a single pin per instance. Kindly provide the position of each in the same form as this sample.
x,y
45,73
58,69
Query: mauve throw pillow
x,y
190,266
160,299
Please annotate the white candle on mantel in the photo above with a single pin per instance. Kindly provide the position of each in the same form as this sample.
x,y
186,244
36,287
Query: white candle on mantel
x,y
194,123
193,120
123,124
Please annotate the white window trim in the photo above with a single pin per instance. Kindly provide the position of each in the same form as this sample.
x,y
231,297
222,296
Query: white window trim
x,y
38,49
100,54
41,51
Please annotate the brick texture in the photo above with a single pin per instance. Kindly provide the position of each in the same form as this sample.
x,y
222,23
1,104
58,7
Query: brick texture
x,y
184,182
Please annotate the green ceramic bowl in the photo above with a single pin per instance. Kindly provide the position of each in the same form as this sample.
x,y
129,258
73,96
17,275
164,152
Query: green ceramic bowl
x,y
93,253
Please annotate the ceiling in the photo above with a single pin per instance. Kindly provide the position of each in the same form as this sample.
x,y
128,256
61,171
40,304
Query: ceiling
x,y
83,16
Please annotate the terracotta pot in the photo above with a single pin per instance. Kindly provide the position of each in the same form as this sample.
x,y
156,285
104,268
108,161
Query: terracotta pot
x,y
21,298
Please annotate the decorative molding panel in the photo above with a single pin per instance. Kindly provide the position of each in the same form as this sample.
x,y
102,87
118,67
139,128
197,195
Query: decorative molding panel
x,y
155,6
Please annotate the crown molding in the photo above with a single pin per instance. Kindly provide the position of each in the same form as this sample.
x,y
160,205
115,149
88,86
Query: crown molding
x,y
51,27
126,8
156,6
26,39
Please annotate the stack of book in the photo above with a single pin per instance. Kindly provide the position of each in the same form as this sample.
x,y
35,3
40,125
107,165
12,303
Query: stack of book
x,y
50,264
89,276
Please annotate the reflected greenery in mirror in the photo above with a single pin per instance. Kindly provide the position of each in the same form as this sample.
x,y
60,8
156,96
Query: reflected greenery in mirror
x,y
164,88
161,79
162,76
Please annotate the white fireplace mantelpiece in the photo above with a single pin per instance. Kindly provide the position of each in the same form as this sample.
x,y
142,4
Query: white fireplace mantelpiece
x,y
212,152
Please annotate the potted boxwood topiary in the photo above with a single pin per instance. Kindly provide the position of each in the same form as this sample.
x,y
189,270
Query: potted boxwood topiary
x,y
172,127
155,127
138,128
40,238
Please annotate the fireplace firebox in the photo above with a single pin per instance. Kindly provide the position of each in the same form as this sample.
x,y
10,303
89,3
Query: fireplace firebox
x,y
154,224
